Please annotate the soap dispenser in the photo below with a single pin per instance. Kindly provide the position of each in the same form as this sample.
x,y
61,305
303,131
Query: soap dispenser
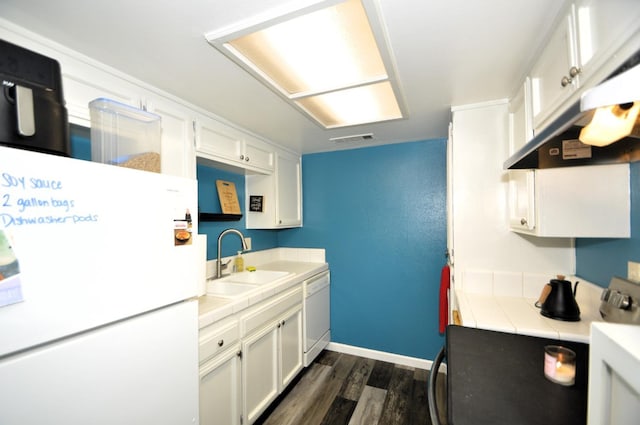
x,y
238,263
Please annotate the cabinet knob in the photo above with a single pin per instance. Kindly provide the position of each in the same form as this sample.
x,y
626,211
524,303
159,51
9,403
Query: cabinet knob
x,y
246,158
241,157
221,343
565,81
279,325
283,323
239,354
574,71
523,221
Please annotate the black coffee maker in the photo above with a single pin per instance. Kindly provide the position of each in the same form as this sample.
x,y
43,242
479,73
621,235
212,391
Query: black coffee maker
x,y
32,111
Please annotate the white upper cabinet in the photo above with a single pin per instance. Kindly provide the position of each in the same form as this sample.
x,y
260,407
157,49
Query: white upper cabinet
x,y
178,154
257,154
217,141
79,91
591,40
281,194
553,77
289,191
521,128
603,28
221,143
588,201
177,142
522,200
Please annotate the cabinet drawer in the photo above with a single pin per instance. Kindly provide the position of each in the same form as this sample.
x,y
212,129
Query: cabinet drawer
x,y
264,313
216,338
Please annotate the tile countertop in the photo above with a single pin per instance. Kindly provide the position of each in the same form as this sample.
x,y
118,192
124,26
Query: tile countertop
x,y
301,263
490,307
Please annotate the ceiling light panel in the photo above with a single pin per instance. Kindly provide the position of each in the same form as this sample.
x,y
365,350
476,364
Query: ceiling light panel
x,y
360,105
325,50
325,61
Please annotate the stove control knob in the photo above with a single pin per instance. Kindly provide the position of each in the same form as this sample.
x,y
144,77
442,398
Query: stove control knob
x,y
620,300
605,295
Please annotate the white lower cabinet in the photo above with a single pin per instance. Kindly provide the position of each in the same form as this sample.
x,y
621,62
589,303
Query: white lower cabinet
x,y
220,389
248,359
272,353
290,347
259,371
220,373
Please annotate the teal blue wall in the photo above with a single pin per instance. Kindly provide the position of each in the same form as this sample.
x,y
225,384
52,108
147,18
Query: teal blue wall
x,y
381,215
80,142
599,259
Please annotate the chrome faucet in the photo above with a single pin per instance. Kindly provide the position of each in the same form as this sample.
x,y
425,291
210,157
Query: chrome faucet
x,y
222,234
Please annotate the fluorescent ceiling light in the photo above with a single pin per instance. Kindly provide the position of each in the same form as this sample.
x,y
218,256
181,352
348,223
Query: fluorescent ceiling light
x,y
326,62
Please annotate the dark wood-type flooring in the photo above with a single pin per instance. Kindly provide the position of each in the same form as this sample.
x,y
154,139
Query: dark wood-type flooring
x,y
342,389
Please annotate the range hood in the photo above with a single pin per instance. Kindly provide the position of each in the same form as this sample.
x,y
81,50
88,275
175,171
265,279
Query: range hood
x,y
559,145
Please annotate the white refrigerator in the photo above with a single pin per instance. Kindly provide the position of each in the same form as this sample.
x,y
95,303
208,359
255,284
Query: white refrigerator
x,y
98,285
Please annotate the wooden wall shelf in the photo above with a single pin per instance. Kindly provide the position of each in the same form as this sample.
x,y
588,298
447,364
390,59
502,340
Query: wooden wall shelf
x,y
203,216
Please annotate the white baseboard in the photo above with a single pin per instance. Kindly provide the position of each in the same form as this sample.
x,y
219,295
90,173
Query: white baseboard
x,y
384,356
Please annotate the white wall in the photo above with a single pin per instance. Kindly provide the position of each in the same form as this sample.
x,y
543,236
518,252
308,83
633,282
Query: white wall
x,y
484,248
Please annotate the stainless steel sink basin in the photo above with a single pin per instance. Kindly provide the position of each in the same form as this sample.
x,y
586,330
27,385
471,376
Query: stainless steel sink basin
x,y
258,277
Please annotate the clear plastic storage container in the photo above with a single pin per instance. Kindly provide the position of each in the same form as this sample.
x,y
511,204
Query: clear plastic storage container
x,y
125,136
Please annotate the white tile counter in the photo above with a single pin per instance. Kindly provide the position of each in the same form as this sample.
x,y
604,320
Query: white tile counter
x,y
301,263
489,306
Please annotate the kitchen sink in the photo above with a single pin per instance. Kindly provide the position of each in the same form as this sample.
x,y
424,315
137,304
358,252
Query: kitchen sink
x,y
258,277
237,284
226,289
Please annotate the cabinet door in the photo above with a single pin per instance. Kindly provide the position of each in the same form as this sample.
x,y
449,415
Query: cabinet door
x,y
259,371
603,26
588,201
554,64
288,191
78,92
521,130
258,154
522,200
214,140
178,147
290,328
220,395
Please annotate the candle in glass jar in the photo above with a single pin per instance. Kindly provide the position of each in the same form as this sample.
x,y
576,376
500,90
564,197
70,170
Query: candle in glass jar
x,y
560,364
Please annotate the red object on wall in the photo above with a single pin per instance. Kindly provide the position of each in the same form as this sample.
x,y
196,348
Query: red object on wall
x,y
444,297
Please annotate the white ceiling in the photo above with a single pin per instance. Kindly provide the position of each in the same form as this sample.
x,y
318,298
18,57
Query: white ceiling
x,y
447,52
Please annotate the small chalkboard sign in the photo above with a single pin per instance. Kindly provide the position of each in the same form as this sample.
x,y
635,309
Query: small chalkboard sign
x,y
256,203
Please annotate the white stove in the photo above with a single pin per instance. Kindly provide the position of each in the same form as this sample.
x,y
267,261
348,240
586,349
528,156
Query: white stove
x,y
620,302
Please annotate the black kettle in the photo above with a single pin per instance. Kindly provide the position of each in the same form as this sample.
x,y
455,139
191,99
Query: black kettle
x,y
561,303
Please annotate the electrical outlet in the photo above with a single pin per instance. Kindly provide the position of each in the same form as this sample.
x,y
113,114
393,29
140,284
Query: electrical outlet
x,y
248,242
633,271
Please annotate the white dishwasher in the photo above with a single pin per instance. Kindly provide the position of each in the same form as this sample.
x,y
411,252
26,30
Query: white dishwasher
x,y
316,308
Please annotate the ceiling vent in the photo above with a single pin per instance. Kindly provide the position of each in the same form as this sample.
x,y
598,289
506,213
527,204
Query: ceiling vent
x,y
352,139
